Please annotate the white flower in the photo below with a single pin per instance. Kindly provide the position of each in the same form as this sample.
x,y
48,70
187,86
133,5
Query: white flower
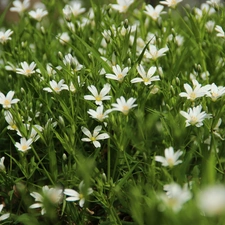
x,y
124,106
76,8
148,77
215,92
63,38
5,215
220,31
24,144
52,195
154,53
95,136
99,114
98,97
73,62
154,13
26,70
214,3
56,87
78,196
211,200
194,116
2,166
171,157
38,14
9,119
122,5
175,196
119,74
170,3
5,36
19,6
10,67
67,12
7,101
196,92
210,25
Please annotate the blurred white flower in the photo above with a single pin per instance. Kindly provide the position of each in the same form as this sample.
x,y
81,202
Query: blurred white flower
x,y
24,144
215,92
220,31
48,195
19,6
194,116
27,69
214,3
38,14
5,36
3,216
67,12
124,106
2,166
76,8
170,3
211,200
7,101
210,26
9,119
98,97
78,196
153,53
73,62
171,157
148,77
95,136
152,12
175,196
119,74
56,87
122,5
63,38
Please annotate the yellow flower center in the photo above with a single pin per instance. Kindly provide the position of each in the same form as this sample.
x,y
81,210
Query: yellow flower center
x,y
146,79
98,98
24,147
14,126
120,76
56,89
170,162
125,109
193,96
193,120
81,196
27,71
93,139
7,102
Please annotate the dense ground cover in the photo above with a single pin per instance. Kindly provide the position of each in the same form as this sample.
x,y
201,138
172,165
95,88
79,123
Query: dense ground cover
x,y
112,114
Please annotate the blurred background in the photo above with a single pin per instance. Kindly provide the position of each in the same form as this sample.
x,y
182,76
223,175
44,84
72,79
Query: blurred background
x,y
13,16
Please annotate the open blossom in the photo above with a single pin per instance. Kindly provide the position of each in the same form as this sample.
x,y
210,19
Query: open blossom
x,y
194,116
76,8
95,136
154,53
27,69
98,114
124,106
38,14
78,196
148,77
175,196
5,36
119,74
215,92
171,158
122,5
214,3
9,119
196,92
24,144
48,195
152,12
56,87
7,101
98,97
73,62
19,6
211,200
170,3
3,216
220,31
